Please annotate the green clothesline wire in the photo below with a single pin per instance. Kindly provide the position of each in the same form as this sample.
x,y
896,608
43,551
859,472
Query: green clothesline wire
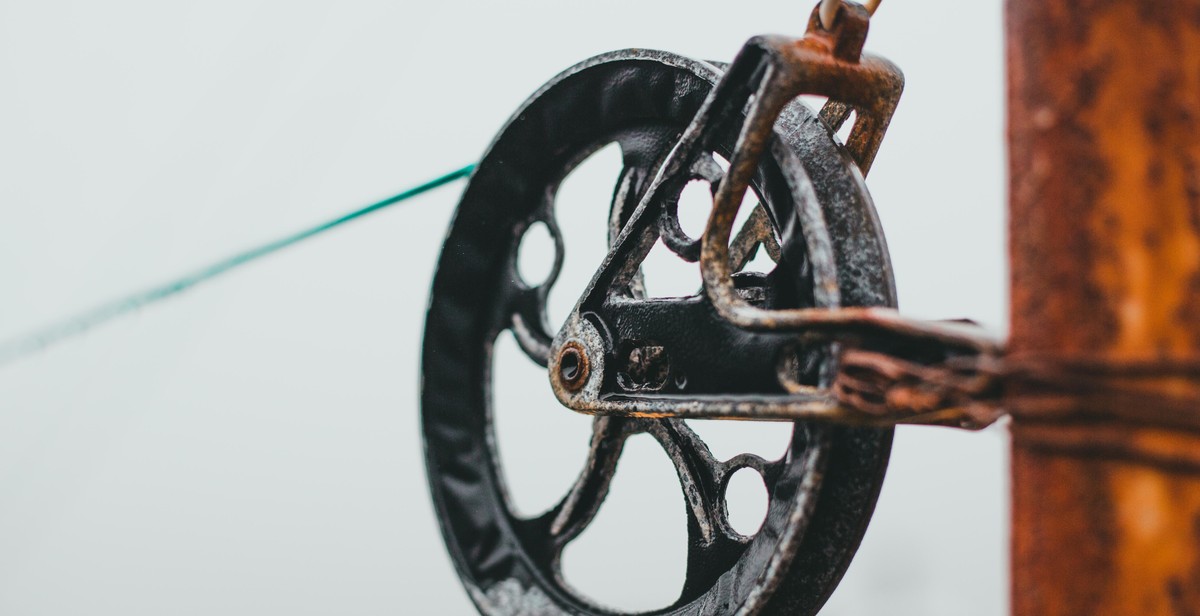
x,y
25,345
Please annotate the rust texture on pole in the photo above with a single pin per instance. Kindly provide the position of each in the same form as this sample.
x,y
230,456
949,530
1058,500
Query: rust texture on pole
x,y
1104,129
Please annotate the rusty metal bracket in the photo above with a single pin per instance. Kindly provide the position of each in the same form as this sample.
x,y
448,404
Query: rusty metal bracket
x,y
825,63
881,368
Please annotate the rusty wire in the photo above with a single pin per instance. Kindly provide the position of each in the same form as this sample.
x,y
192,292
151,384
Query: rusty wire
x,y
981,389
963,391
1163,392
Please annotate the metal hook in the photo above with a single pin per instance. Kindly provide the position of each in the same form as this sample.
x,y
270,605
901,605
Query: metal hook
x,y
829,9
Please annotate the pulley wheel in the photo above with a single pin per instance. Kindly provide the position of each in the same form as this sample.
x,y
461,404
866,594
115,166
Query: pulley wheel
x,y
821,492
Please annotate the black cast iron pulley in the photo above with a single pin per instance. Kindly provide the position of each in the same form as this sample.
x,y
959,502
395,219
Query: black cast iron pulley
x,y
821,492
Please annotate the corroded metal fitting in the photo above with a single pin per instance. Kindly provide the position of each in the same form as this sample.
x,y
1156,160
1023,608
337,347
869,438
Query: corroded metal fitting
x,y
572,366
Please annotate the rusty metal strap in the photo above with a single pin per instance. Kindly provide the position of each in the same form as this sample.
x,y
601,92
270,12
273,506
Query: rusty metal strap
x,y
962,392
1110,440
1159,392
975,391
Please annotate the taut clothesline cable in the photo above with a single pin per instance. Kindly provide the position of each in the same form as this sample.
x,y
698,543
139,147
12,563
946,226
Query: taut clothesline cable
x,y
25,345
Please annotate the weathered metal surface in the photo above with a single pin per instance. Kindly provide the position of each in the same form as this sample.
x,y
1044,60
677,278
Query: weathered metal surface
x,y
1104,113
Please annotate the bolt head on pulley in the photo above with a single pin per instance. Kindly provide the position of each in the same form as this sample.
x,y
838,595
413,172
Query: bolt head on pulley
x,y
572,366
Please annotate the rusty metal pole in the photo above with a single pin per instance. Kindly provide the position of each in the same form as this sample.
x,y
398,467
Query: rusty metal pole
x,y
1104,121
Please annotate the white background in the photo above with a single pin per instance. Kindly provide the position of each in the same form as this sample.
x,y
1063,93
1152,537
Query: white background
x,y
252,447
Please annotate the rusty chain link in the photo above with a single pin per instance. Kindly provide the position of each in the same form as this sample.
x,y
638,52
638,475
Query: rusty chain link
x,y
829,10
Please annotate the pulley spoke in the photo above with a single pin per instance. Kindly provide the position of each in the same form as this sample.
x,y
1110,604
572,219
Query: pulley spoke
x,y
704,168
756,232
583,501
529,324
712,548
527,304
698,475
707,169
625,199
